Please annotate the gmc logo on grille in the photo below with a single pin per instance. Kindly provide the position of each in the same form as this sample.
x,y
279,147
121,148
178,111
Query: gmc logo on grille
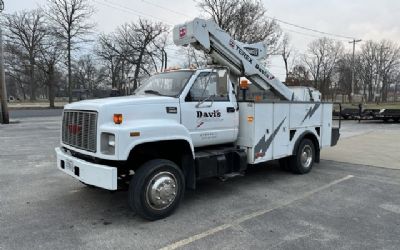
x,y
74,128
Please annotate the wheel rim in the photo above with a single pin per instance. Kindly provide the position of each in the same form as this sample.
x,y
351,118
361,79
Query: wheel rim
x,y
306,156
161,190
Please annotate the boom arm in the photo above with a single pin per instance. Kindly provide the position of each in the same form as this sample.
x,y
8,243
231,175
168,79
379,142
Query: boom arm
x,y
240,58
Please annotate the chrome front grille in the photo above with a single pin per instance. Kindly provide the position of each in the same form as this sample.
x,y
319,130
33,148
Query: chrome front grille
x,y
79,129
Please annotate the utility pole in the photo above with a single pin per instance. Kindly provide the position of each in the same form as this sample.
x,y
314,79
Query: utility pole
x,y
353,67
4,117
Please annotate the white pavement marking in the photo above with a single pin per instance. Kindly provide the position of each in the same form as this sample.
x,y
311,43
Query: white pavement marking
x,y
391,207
244,218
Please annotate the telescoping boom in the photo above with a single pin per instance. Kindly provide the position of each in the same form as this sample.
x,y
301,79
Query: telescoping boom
x,y
242,59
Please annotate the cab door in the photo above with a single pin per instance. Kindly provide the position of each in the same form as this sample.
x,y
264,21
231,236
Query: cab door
x,y
207,110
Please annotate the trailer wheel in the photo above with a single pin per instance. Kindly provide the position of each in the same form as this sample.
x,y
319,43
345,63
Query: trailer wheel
x,y
156,189
303,161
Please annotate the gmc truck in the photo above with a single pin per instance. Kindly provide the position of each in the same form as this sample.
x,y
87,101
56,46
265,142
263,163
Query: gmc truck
x,y
185,125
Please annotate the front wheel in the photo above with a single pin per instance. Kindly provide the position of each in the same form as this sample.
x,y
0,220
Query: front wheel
x,y
156,189
303,161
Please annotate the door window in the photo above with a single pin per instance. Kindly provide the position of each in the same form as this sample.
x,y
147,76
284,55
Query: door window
x,y
211,86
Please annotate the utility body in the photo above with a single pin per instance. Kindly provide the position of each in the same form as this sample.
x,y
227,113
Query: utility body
x,y
184,125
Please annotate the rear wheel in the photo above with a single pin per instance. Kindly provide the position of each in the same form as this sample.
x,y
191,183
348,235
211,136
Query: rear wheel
x,y
303,161
156,189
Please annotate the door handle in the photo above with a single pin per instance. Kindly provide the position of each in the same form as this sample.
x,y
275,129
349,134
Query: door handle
x,y
230,109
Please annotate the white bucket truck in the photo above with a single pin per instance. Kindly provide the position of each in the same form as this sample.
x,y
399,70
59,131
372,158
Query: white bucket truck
x,y
184,125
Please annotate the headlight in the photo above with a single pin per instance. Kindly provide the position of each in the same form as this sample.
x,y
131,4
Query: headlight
x,y
107,143
111,140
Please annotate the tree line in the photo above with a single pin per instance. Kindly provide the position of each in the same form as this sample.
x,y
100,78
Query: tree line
x,y
328,67
44,57
54,51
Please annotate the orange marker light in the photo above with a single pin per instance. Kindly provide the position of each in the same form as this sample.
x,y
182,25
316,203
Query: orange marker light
x,y
133,134
250,118
244,84
117,118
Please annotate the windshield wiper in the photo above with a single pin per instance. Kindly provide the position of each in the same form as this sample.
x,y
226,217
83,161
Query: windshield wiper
x,y
154,92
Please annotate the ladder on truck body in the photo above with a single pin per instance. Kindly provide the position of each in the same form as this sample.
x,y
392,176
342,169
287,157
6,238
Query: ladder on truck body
x,y
240,58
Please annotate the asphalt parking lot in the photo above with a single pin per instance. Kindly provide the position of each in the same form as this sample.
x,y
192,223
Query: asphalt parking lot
x,y
339,205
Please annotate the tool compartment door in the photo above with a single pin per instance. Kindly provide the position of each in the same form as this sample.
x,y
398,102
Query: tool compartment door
x,y
327,125
263,132
305,114
281,130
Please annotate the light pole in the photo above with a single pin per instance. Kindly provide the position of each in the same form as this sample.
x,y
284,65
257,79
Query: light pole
x,y
353,67
4,116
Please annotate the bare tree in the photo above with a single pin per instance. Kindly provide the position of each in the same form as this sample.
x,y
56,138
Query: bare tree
x,y
245,21
109,52
50,55
133,51
344,74
321,58
378,66
70,19
25,32
367,68
193,57
86,74
156,52
299,75
286,51
388,61
135,40
16,68
396,80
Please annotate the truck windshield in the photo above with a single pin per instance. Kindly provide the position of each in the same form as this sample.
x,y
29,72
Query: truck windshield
x,y
165,84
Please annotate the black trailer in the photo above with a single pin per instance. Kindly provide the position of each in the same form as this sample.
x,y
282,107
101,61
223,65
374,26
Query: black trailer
x,y
387,115
349,113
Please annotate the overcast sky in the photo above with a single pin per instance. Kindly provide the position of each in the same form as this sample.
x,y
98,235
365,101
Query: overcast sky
x,y
364,19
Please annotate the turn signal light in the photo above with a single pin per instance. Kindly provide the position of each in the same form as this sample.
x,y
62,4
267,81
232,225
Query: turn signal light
x,y
117,118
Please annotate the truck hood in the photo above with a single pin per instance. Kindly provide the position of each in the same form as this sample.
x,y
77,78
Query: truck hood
x,y
97,104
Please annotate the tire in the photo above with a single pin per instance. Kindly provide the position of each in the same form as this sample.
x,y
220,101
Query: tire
x,y
303,161
156,189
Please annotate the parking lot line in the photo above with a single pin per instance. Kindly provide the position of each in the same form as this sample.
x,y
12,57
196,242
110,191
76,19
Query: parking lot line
x,y
244,218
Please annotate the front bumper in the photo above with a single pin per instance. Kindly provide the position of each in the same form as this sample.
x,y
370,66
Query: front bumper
x,y
90,173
